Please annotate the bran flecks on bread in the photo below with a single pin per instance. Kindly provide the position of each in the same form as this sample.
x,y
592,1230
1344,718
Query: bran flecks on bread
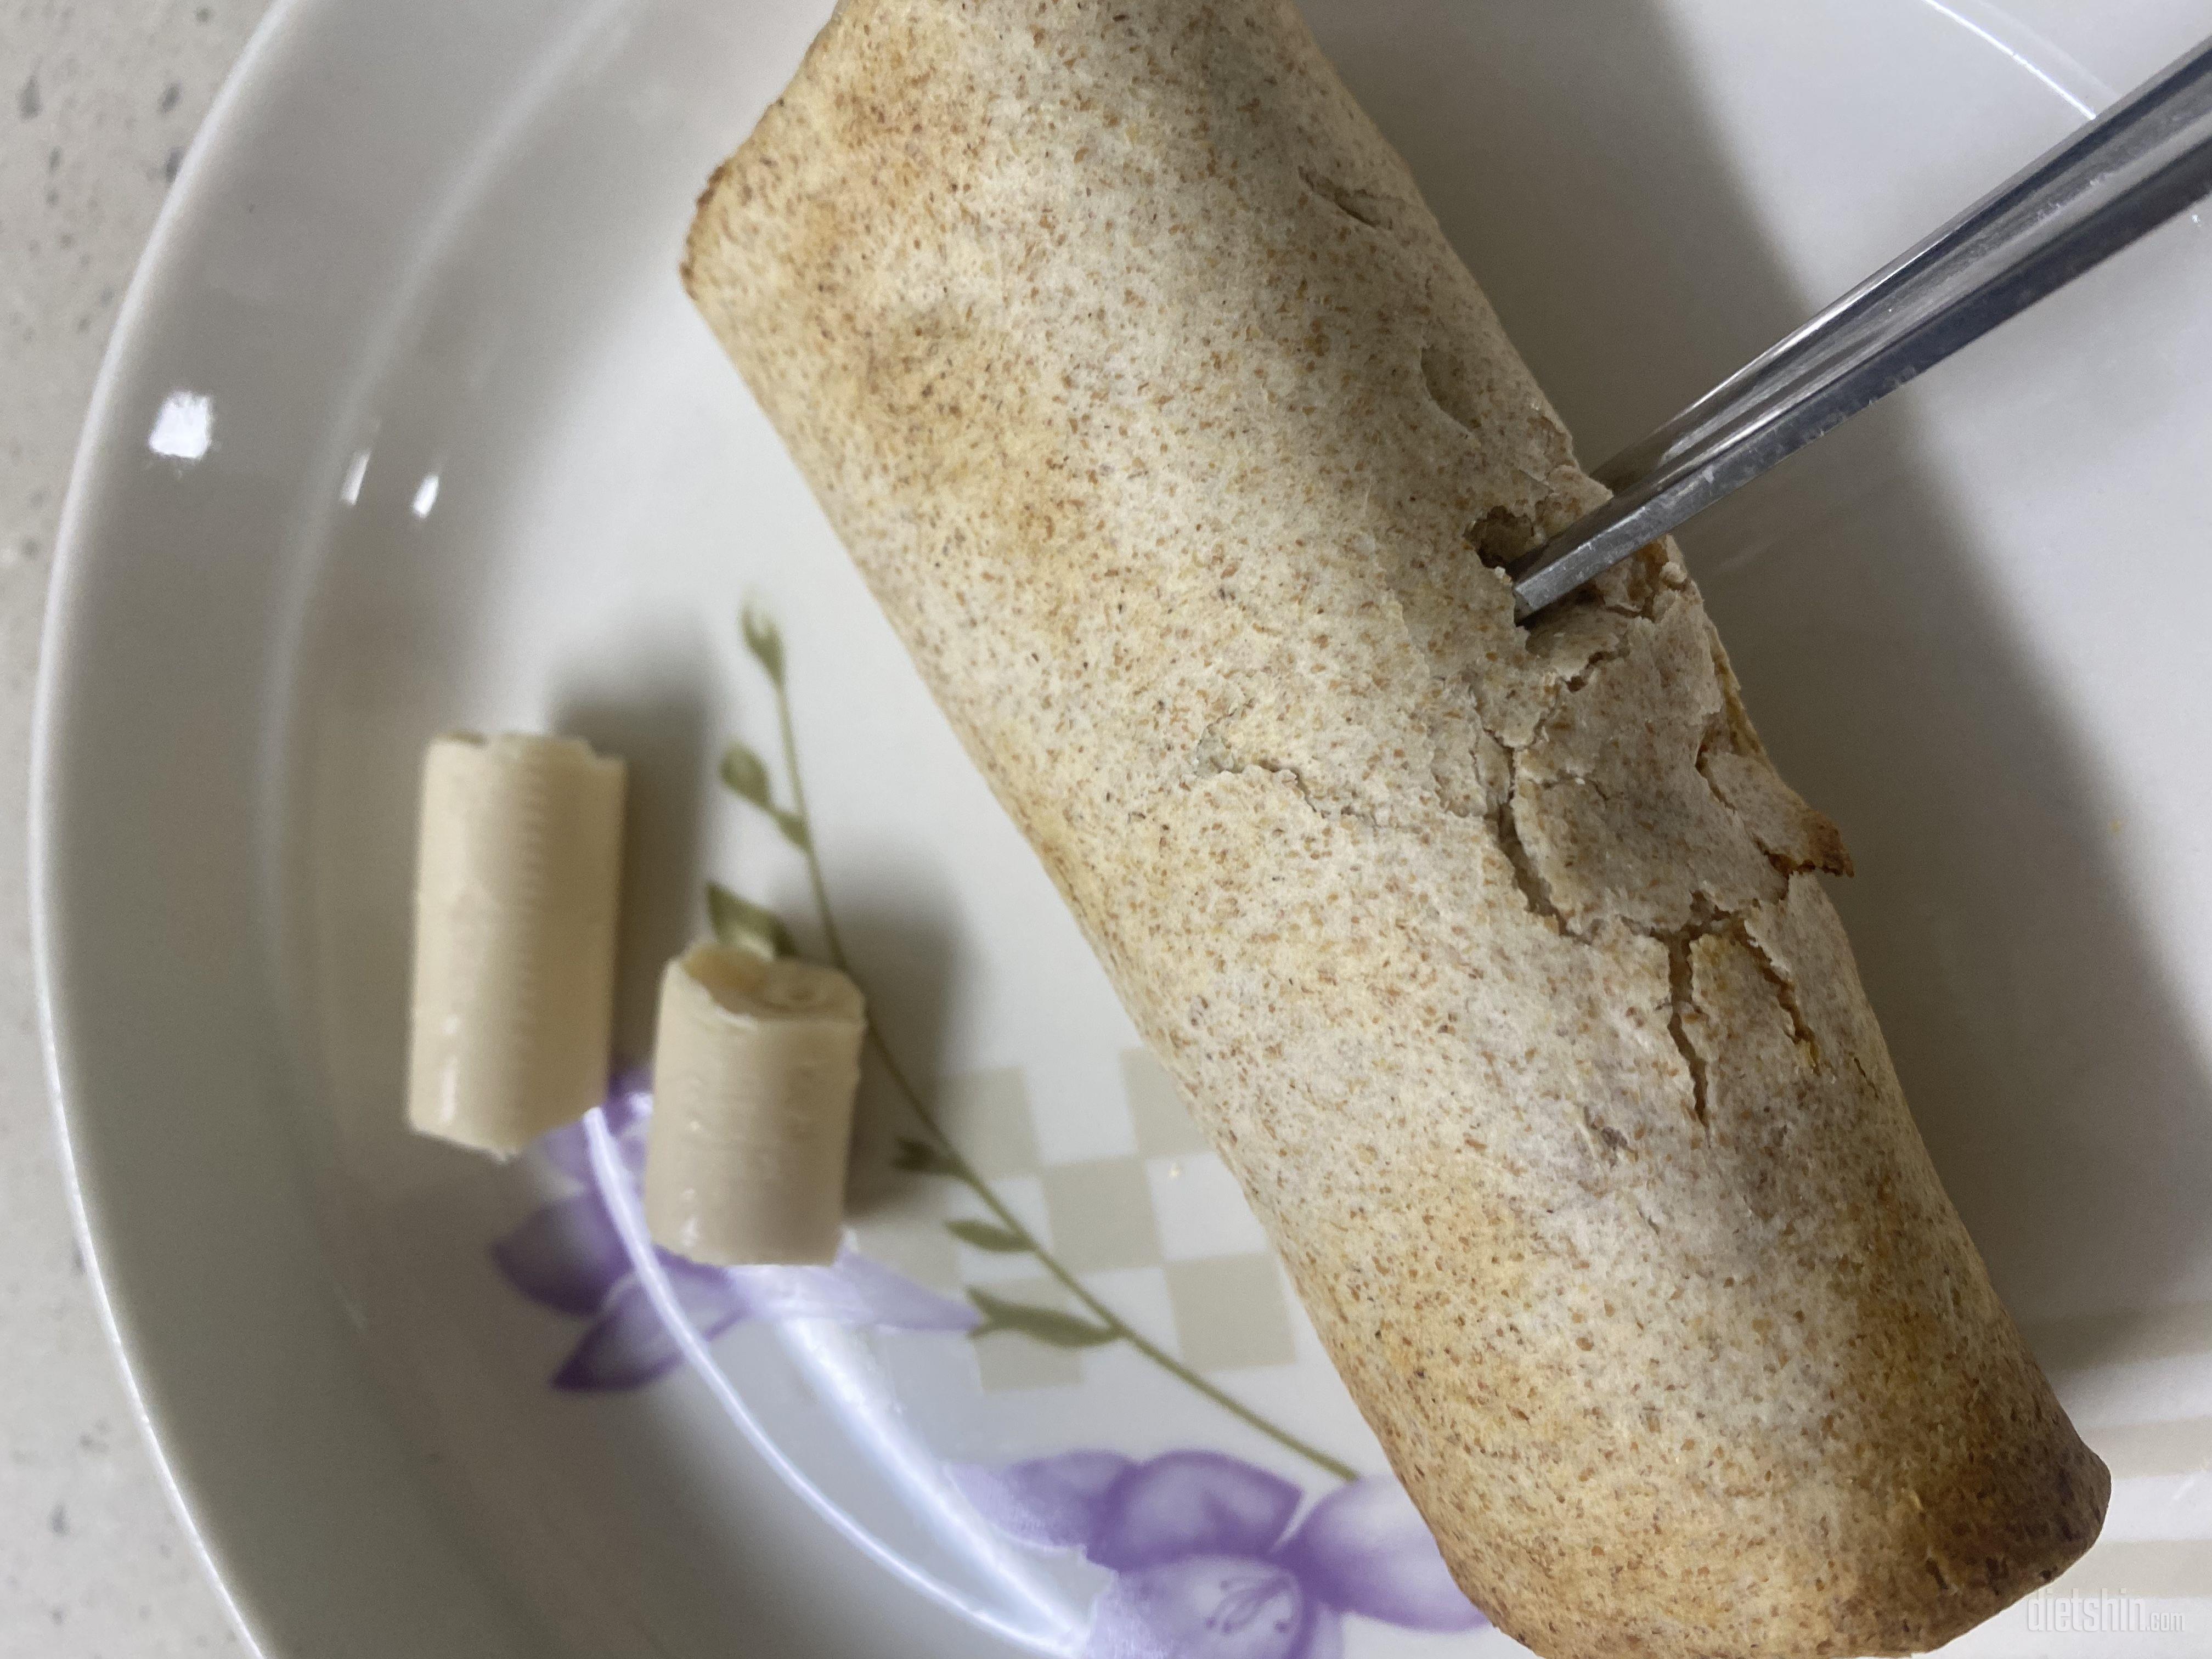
x,y
1183,453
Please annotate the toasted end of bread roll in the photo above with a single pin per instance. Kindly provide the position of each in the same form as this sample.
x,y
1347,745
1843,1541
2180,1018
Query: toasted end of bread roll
x,y
517,889
753,1070
1184,455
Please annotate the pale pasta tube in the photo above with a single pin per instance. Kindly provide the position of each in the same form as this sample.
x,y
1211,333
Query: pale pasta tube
x,y
517,892
754,1066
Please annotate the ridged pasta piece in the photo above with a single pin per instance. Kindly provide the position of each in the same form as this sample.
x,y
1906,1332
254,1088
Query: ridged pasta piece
x,y
517,895
754,1064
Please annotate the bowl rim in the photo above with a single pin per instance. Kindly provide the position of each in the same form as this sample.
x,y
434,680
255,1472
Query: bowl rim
x,y
260,64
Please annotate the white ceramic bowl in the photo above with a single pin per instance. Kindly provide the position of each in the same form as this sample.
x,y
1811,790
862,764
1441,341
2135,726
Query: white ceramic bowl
x,y
406,424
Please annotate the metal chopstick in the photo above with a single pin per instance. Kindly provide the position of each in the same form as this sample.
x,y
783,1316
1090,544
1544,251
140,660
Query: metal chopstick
x,y
2136,166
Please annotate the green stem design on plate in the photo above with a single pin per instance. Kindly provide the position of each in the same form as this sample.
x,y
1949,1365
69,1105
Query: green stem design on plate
x,y
745,775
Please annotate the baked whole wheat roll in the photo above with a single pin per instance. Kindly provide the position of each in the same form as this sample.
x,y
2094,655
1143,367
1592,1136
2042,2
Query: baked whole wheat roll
x,y
1183,453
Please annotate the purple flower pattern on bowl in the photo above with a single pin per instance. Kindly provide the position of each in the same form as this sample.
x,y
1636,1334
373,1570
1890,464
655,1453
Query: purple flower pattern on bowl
x,y
1205,1561
567,1255
1202,1557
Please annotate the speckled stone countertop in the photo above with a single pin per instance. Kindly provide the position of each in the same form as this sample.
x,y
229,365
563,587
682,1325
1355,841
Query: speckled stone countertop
x,y
97,101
